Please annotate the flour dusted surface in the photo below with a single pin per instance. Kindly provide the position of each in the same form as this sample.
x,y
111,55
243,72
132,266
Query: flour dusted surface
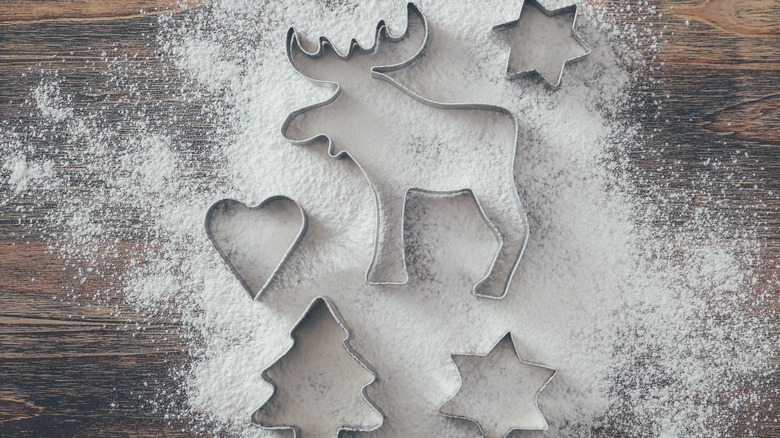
x,y
629,313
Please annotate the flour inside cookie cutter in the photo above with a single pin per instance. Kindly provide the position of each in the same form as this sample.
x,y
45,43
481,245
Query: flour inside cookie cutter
x,y
528,9
405,142
500,398
276,237
303,401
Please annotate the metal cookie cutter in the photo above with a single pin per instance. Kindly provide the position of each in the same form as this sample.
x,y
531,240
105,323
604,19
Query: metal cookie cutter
x,y
228,204
491,180
502,28
501,419
316,306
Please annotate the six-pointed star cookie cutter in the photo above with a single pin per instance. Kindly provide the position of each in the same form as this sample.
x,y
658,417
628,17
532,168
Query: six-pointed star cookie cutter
x,y
571,9
324,301
536,397
381,72
232,203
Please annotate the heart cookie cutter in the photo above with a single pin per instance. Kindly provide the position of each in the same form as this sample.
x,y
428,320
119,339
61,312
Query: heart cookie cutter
x,y
227,204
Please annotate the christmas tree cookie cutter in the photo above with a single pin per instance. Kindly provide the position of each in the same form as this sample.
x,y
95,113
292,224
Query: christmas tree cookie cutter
x,y
505,344
326,302
227,204
491,182
571,9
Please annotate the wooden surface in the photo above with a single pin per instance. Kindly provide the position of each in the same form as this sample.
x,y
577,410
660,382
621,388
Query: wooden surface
x,y
71,370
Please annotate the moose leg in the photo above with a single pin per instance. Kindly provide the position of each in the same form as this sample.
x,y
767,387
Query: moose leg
x,y
509,221
387,264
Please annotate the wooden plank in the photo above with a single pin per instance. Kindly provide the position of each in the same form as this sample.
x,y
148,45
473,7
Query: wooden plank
x,y
750,121
85,396
740,17
14,11
734,33
68,370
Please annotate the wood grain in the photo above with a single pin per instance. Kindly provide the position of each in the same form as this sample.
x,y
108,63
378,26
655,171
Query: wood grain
x,y
71,370
756,17
733,34
755,120
83,10
15,410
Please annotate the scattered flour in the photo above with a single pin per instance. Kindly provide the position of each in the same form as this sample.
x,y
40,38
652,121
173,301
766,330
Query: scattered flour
x,y
24,174
652,327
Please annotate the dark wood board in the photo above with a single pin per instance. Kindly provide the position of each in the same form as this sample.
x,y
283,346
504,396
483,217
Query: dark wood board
x,y
67,370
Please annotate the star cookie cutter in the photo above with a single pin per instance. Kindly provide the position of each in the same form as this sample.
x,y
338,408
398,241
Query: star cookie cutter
x,y
571,9
331,307
230,204
513,232
506,338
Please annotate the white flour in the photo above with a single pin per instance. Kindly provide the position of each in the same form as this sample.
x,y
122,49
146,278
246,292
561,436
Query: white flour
x,y
650,326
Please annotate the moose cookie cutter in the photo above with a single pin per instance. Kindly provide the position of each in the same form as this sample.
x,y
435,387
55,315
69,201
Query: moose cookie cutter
x,y
491,185
571,9
323,301
225,204
507,337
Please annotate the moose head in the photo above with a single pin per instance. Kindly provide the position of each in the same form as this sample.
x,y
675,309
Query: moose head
x,y
354,74
389,53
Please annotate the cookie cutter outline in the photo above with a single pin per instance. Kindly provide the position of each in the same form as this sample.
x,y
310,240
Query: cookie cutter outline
x,y
334,312
549,13
304,227
380,72
517,354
